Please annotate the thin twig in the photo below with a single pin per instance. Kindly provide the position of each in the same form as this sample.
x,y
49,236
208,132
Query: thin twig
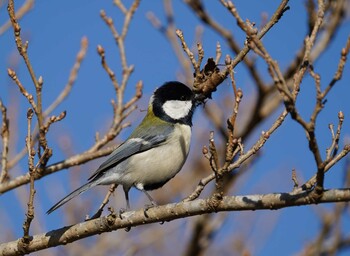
x,y
196,64
25,93
53,119
313,180
253,150
310,127
218,53
122,111
259,48
109,71
24,9
214,160
339,72
72,77
169,31
22,49
104,202
5,135
121,6
333,149
38,83
64,94
31,154
295,179
232,141
120,40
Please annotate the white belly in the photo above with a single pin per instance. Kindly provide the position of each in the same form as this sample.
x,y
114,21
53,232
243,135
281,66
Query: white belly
x,y
159,164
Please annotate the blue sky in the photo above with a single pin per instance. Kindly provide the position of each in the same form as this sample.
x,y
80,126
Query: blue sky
x,y
54,30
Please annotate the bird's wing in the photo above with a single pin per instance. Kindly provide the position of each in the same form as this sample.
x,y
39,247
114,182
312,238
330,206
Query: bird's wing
x,y
133,145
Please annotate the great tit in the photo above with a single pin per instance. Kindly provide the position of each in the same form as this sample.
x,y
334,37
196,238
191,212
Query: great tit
x,y
155,151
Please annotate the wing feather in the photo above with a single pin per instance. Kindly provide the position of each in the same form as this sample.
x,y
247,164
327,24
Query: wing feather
x,y
145,140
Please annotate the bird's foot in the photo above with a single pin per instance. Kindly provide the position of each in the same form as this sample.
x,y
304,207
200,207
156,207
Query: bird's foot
x,y
149,206
121,211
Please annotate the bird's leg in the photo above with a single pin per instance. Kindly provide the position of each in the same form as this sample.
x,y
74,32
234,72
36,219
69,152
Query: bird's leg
x,y
122,210
139,186
148,206
153,203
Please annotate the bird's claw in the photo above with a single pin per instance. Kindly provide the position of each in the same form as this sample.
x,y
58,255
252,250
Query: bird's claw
x,y
127,229
121,211
147,207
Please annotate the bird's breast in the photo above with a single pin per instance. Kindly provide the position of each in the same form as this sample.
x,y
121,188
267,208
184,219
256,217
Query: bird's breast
x,y
153,168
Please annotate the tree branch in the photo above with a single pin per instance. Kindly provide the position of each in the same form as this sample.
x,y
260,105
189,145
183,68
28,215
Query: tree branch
x,y
169,212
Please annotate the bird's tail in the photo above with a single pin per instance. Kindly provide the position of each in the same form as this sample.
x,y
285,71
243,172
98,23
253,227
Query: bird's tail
x,y
75,193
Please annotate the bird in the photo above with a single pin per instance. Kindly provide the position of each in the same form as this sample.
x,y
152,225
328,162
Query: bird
x,y
154,152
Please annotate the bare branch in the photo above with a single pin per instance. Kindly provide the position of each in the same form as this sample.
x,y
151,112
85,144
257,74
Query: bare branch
x,y
109,71
121,111
25,93
38,83
5,135
104,202
311,182
333,149
30,212
24,9
196,64
22,49
166,213
64,93
72,77
253,150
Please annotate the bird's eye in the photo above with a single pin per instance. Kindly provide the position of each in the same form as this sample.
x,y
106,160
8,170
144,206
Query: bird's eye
x,y
182,97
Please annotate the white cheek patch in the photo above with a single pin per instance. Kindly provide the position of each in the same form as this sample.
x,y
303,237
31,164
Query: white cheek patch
x,y
177,109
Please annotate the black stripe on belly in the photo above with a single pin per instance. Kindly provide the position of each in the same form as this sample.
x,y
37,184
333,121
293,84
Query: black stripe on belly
x,y
156,185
